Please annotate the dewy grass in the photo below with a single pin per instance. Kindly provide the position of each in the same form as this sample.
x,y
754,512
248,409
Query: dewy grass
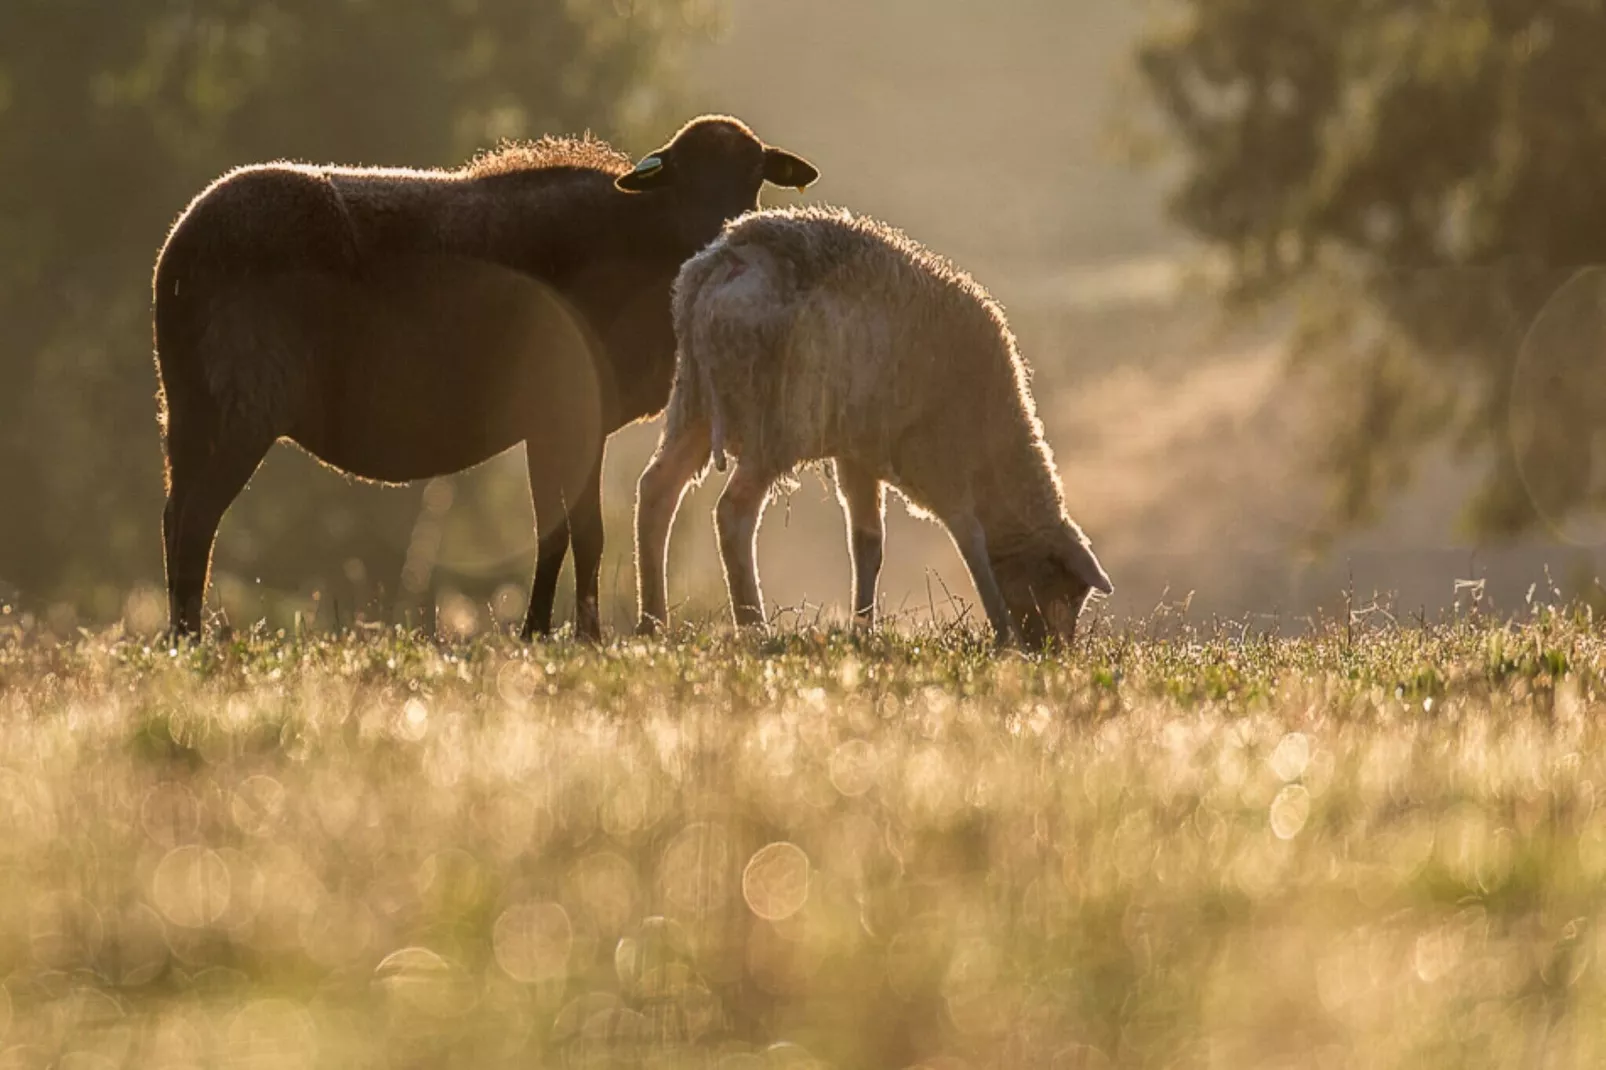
x,y
1204,849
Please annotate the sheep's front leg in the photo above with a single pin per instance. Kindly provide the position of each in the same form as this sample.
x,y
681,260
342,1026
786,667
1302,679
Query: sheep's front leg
x,y
681,455
972,544
551,540
585,526
736,520
864,503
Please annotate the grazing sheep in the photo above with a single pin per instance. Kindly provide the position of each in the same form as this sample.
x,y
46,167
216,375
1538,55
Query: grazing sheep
x,y
811,334
401,324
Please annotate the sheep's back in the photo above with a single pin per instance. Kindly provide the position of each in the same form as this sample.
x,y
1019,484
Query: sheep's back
x,y
825,333
260,219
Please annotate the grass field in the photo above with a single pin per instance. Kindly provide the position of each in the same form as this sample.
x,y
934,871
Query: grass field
x,y
1167,848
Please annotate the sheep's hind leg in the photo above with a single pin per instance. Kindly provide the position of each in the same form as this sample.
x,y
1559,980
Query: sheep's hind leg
x,y
736,520
585,522
201,493
551,541
863,501
971,541
180,479
682,454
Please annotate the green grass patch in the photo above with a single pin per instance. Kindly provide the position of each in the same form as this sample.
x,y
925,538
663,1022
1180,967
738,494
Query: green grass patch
x,y
1202,848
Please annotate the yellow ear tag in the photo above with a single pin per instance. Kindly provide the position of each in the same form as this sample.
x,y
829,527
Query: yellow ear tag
x,y
802,189
648,165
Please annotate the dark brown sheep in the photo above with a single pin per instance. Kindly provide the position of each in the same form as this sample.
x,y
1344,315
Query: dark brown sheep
x,y
401,325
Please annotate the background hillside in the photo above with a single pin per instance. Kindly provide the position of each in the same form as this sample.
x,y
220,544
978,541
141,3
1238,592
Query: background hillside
x,y
984,130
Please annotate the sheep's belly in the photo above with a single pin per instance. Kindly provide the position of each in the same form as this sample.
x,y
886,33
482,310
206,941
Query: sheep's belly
x,y
434,372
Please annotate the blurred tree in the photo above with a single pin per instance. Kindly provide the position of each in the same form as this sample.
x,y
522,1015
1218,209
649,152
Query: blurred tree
x,y
113,115
1425,178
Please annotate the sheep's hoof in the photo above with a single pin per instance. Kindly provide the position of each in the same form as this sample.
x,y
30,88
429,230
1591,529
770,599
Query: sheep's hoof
x,y
588,621
749,619
179,635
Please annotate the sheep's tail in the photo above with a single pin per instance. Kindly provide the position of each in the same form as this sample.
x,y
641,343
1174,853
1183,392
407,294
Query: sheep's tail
x,y
692,327
716,417
699,316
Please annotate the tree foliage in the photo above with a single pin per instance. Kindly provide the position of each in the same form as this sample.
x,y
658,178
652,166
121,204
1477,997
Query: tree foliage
x,y
113,115
1426,178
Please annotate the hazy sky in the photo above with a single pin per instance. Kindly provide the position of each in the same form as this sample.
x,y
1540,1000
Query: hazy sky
x,y
979,127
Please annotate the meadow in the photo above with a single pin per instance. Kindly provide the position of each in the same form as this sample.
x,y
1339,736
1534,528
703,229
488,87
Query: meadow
x,y
1373,845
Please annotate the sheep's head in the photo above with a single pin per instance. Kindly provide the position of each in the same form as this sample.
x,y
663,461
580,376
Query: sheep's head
x,y
1045,586
713,168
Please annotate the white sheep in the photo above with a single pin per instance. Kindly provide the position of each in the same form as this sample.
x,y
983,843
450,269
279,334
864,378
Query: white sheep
x,y
807,334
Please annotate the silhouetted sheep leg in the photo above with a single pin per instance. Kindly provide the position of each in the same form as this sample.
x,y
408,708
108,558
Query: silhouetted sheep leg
x,y
736,520
170,514
681,454
551,546
585,524
972,545
198,499
863,501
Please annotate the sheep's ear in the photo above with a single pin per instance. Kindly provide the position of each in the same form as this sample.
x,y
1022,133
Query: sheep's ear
x,y
781,168
647,174
1085,567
